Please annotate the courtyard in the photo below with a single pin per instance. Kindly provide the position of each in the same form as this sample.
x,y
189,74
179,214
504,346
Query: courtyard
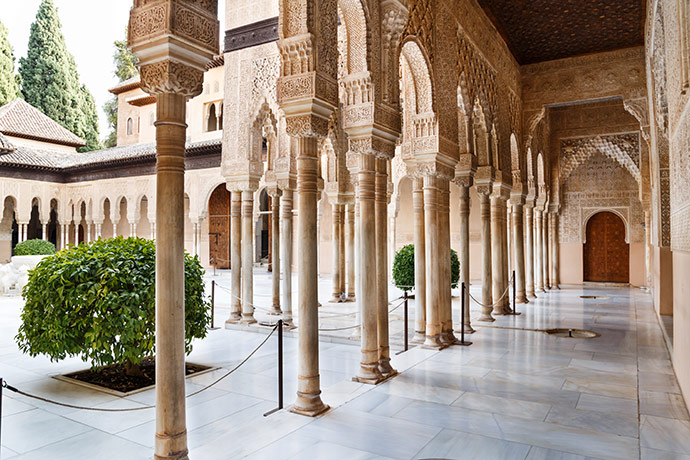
x,y
515,393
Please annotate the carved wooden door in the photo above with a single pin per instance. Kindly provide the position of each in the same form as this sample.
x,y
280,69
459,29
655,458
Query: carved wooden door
x,y
606,254
219,227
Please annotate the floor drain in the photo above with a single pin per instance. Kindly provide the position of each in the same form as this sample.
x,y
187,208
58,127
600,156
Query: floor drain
x,y
600,297
573,333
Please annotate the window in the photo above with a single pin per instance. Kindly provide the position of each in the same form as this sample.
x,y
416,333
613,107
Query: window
x,y
130,126
212,123
214,116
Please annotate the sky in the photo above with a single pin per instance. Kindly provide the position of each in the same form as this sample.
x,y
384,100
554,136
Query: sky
x,y
90,27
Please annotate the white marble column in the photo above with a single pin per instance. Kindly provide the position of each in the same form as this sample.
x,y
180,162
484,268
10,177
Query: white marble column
x,y
308,381
369,371
485,215
341,259
445,292
498,282
350,226
286,254
381,210
545,249
539,250
529,251
432,248
505,260
247,257
44,231
88,232
337,274
235,257
357,332
554,251
133,229
419,260
648,248
519,252
464,253
275,251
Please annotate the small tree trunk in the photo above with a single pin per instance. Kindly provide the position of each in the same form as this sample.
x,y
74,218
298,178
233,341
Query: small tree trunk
x,y
133,370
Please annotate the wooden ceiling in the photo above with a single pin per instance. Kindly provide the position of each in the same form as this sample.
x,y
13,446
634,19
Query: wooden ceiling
x,y
543,30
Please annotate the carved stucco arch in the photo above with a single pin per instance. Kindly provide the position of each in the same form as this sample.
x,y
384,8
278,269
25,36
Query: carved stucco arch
x,y
420,70
357,40
589,213
598,144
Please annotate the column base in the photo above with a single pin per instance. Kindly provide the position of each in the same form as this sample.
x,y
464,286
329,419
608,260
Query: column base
x,y
234,318
468,329
248,319
275,310
369,374
308,405
556,286
385,367
522,299
419,337
335,299
180,456
350,297
174,446
433,342
448,338
487,318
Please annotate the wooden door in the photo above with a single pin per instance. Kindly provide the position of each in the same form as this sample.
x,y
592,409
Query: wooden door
x,y
219,227
606,254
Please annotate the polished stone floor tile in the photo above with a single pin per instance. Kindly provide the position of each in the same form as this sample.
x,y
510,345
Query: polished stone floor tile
x,y
540,453
607,404
654,454
30,430
668,405
91,445
658,382
503,406
606,422
450,444
665,434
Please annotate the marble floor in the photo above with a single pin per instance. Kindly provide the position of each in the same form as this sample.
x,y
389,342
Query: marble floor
x,y
516,393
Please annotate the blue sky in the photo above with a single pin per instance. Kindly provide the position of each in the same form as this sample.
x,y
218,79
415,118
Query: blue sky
x,y
90,27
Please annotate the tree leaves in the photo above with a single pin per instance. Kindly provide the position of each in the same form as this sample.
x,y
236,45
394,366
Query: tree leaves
x,y
403,268
97,301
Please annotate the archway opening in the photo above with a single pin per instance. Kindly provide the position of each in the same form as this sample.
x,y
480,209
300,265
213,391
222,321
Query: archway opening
x,y
53,223
606,253
219,227
34,230
262,226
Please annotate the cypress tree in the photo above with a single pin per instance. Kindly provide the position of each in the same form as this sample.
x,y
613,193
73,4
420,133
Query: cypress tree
x,y
125,68
9,81
50,81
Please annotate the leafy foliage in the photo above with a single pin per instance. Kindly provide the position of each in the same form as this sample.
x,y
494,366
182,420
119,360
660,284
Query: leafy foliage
x,y
97,301
125,68
34,248
9,81
50,81
403,268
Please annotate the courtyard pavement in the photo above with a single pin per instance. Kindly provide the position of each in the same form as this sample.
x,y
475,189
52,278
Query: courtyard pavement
x,y
516,393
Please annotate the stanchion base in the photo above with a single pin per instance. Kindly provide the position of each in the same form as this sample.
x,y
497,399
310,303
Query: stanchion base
x,y
212,328
464,344
513,313
272,411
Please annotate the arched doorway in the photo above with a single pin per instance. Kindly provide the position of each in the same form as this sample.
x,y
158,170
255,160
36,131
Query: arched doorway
x,y
606,254
219,227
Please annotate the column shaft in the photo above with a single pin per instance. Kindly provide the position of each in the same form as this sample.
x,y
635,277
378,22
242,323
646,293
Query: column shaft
x,y
308,381
286,255
235,257
464,254
554,252
341,258
350,225
545,249
539,250
419,261
445,293
519,257
432,254
247,257
505,260
171,432
275,252
485,214
529,252
498,283
336,209
368,299
381,210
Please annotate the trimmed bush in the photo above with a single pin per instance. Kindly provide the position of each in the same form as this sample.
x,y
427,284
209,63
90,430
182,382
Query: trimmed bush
x,y
403,268
34,248
97,301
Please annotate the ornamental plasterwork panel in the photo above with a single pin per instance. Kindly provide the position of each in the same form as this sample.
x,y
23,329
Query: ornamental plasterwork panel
x,y
623,148
599,184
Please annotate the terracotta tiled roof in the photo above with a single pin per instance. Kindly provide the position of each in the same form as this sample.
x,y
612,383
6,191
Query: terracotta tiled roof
x,y
18,118
29,157
127,85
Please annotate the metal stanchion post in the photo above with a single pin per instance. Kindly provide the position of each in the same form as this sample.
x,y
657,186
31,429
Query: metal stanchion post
x,y
405,326
213,305
2,383
462,317
514,312
280,370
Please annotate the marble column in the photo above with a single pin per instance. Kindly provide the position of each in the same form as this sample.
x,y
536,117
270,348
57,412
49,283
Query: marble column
x,y
432,248
369,371
335,247
545,249
485,216
445,294
350,226
133,229
554,251
648,248
308,400
539,250
99,228
88,232
247,257
419,260
153,230
498,282
464,254
275,251
171,432
505,259
235,257
286,255
529,251
341,259
195,241
381,211
44,231
519,253
357,332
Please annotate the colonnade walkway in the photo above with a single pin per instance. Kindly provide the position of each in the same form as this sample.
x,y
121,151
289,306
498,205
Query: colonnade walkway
x,y
516,393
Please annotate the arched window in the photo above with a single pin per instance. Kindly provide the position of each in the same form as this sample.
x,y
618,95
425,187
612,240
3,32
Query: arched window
x,y
130,126
212,123
138,125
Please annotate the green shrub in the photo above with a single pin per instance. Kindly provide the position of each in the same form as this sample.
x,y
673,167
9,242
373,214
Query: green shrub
x,y
97,301
34,248
403,268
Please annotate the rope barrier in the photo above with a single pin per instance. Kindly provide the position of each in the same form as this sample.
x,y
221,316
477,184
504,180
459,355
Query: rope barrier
x,y
132,409
357,325
500,299
248,303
